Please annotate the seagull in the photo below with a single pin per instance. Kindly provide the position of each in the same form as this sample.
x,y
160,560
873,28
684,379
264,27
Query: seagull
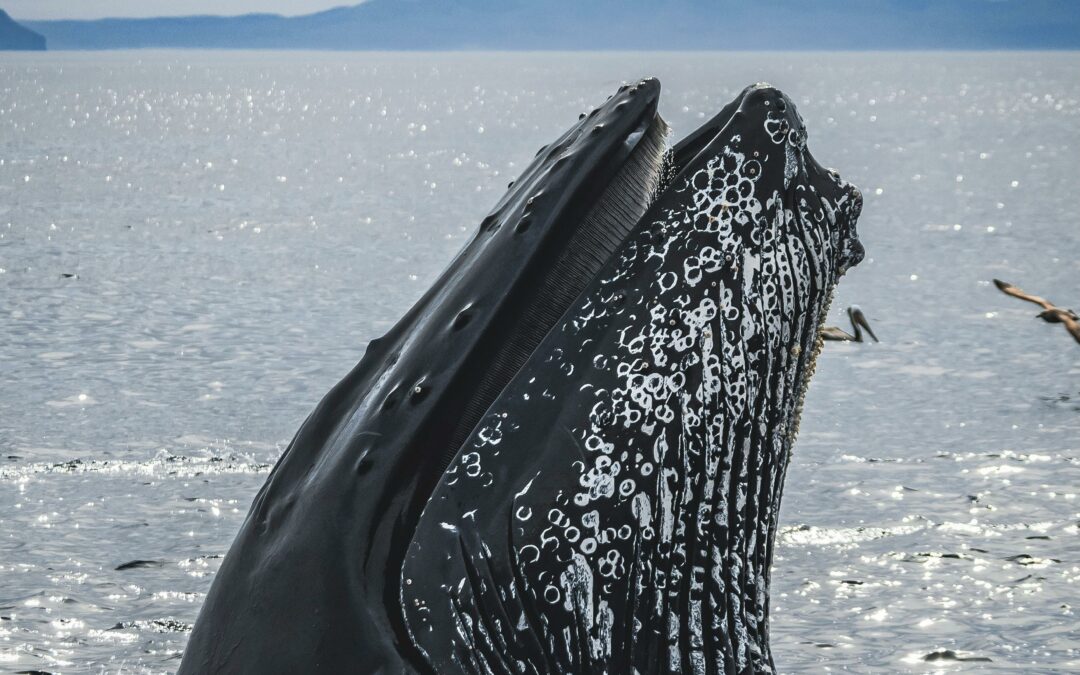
x,y
858,323
1050,314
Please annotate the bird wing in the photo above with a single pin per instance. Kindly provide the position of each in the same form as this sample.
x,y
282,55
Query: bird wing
x,y
836,333
1009,289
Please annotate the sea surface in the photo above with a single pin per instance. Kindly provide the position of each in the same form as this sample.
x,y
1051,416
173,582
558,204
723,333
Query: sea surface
x,y
195,246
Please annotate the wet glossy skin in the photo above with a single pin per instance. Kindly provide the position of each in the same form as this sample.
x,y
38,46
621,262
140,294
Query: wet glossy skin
x,y
615,510
696,338
311,581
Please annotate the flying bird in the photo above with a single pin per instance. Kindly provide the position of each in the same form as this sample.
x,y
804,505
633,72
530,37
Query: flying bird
x,y
1050,314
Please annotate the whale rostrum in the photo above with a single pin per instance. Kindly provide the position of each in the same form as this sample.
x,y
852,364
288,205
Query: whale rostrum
x,y
568,456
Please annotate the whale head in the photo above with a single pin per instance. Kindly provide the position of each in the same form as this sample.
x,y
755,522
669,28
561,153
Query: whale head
x,y
575,436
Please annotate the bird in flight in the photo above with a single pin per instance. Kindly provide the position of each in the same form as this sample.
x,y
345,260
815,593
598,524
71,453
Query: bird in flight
x,y
1051,313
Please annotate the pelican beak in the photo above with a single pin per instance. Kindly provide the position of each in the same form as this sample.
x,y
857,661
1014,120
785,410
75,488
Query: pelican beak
x,y
859,319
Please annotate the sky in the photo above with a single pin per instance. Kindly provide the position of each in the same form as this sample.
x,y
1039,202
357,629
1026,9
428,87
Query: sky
x,y
96,9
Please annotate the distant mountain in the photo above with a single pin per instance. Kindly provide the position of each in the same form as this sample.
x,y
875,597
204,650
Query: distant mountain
x,y
16,37
605,24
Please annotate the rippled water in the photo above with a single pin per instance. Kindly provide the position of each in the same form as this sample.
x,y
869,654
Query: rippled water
x,y
195,246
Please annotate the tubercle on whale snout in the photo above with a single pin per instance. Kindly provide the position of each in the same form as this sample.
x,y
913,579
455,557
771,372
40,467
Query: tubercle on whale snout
x,y
762,108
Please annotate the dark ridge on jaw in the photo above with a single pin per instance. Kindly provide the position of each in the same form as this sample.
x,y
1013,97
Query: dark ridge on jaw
x,y
603,229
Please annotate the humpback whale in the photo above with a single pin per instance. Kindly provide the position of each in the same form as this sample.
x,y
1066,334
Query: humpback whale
x,y
568,455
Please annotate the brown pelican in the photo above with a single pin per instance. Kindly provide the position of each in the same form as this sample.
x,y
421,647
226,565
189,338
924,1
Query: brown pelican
x,y
858,323
1050,314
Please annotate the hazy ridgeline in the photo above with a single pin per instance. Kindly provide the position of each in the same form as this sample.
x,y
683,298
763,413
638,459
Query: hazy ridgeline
x,y
599,24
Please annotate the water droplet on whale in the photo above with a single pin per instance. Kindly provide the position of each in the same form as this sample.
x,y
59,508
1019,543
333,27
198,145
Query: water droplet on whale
x,y
418,393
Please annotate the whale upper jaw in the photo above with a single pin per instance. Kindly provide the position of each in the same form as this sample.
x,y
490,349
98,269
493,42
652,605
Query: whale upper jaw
x,y
319,554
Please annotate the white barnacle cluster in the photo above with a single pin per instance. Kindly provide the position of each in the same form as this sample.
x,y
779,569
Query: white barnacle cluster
x,y
811,367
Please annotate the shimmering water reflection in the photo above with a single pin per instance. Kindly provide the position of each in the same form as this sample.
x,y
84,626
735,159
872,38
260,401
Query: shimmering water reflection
x,y
195,246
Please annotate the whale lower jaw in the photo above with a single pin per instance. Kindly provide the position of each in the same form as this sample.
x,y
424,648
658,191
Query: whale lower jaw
x,y
615,509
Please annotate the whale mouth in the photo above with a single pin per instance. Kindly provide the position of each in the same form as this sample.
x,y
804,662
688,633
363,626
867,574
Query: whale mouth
x,y
643,170
328,534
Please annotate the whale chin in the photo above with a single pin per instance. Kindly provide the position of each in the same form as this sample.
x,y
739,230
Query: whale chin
x,y
620,299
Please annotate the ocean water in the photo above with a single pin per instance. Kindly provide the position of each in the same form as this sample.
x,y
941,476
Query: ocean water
x,y
195,246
